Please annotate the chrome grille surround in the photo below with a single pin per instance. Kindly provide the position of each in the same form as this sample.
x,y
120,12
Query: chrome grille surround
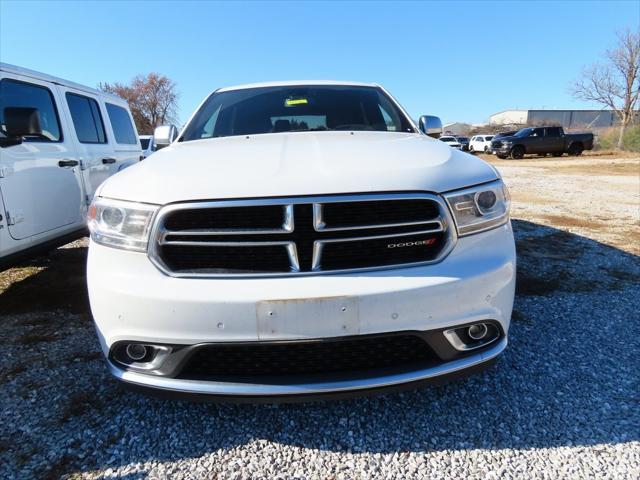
x,y
159,234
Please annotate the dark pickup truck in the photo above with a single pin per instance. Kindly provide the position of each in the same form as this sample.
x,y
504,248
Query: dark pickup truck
x,y
542,140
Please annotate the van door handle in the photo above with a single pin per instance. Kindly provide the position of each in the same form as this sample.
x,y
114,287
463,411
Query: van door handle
x,y
68,163
107,161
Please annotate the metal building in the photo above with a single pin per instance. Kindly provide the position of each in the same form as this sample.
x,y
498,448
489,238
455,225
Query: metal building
x,y
568,119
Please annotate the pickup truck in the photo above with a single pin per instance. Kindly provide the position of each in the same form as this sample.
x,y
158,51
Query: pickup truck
x,y
541,141
58,142
300,239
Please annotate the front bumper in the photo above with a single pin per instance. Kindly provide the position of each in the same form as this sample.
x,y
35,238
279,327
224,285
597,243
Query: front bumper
x,y
503,150
194,389
133,301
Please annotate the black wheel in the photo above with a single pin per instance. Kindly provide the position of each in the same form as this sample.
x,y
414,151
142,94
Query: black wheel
x,y
557,154
471,148
517,152
486,149
500,156
542,155
575,149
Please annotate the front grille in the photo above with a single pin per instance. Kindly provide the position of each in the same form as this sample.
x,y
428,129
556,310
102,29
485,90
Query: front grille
x,y
496,144
301,235
269,217
225,259
367,213
331,356
380,252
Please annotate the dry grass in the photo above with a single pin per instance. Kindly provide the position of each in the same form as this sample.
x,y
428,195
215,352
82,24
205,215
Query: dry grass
x,y
625,168
566,221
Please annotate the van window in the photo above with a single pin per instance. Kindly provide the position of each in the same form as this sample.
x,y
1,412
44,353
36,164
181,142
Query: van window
x,y
121,124
87,120
20,94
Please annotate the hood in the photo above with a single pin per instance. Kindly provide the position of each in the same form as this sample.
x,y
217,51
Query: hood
x,y
297,164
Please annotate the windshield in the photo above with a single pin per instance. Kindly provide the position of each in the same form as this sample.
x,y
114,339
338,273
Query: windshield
x,y
145,143
463,139
294,109
524,132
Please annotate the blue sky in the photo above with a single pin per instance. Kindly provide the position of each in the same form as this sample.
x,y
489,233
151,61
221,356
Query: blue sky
x,y
460,60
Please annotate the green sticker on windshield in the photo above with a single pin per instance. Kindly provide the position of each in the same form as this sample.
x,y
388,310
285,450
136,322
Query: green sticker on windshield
x,y
292,102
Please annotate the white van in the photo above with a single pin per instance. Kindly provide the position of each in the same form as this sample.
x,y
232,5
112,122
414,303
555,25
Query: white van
x,y
58,142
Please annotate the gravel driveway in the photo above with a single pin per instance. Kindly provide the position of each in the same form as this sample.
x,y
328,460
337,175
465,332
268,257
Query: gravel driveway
x,y
562,402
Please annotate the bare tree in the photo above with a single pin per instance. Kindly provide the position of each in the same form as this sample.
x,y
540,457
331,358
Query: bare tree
x,y
615,83
152,98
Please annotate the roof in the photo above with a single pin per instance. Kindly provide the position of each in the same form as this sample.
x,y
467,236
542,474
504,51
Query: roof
x,y
553,110
293,83
5,67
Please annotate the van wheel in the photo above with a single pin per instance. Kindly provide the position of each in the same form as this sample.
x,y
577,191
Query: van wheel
x,y
575,150
486,149
471,148
517,152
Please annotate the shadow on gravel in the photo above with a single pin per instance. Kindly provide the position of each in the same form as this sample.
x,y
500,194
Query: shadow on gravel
x,y
569,378
59,284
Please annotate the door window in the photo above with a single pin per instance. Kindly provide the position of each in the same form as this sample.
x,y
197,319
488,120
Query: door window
x,y
553,131
121,124
86,119
14,93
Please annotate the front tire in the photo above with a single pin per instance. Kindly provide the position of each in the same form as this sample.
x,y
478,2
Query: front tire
x,y
517,152
575,150
471,148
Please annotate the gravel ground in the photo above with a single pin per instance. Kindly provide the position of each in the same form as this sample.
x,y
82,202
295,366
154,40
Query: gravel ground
x,y
562,402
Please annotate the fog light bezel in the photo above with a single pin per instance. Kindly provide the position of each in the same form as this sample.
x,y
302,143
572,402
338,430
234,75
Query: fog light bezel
x,y
460,339
153,359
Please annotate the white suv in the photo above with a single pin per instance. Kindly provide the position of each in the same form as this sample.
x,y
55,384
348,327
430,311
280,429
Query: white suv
x,y
148,147
480,143
451,141
301,238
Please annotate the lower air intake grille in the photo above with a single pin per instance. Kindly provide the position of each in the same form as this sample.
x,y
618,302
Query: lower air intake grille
x,y
353,355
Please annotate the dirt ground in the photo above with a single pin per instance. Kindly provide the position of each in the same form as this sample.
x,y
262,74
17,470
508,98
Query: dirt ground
x,y
562,400
597,196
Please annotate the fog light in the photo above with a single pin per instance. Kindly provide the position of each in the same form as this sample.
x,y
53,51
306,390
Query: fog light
x,y
136,351
478,331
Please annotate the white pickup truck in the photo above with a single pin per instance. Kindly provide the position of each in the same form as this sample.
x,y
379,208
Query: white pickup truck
x,y
301,239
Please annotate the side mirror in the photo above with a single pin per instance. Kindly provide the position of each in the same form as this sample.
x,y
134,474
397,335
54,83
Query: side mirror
x,y
20,122
164,135
430,125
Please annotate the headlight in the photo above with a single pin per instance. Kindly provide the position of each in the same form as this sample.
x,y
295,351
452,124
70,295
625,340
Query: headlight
x,y
479,208
120,224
